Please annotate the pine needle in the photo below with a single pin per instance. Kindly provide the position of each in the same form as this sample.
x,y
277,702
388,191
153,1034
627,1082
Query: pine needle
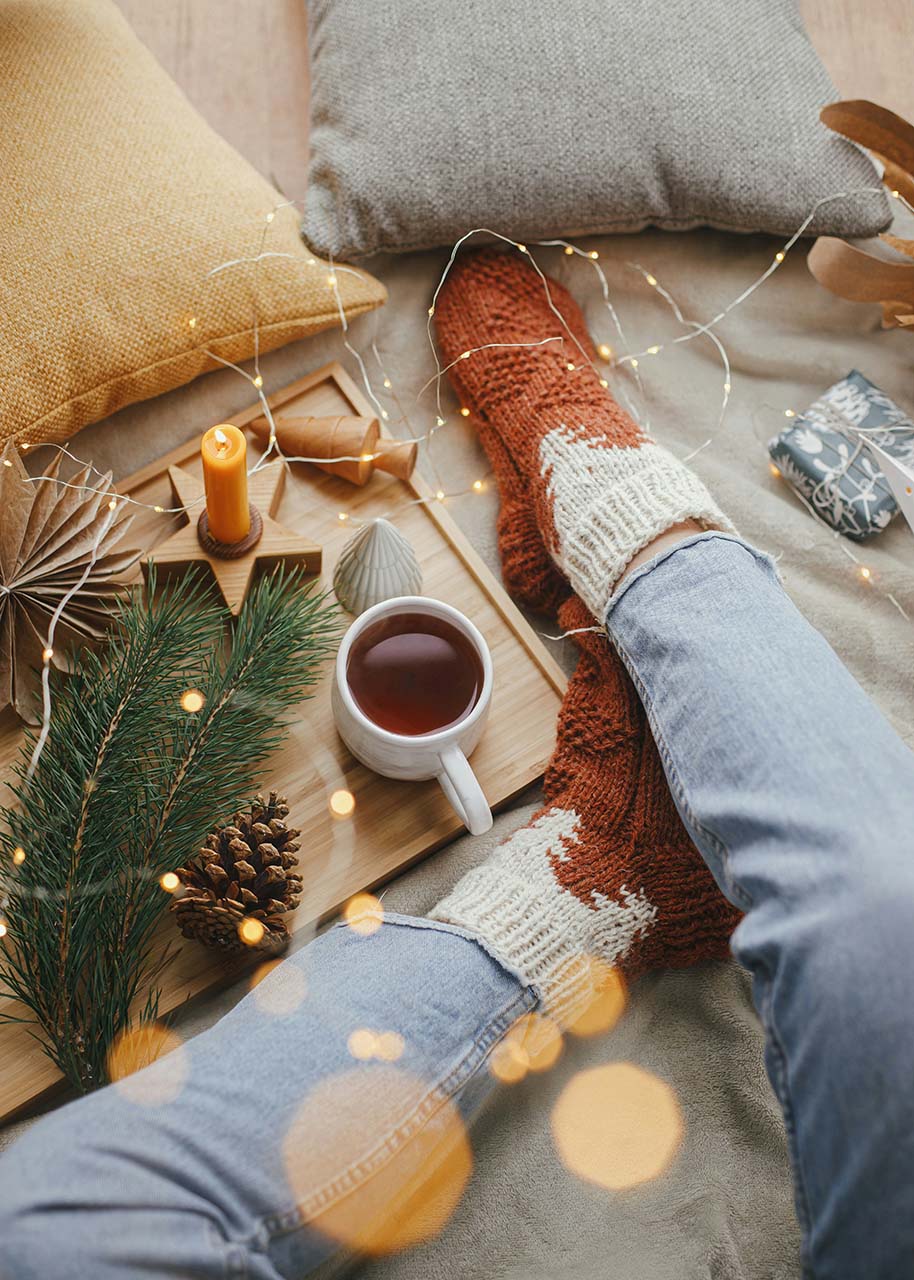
x,y
127,786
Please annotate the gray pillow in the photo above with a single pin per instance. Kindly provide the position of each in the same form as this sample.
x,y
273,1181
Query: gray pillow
x,y
538,119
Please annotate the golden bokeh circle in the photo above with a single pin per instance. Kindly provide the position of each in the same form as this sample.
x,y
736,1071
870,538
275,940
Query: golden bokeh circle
x,y
358,1120
617,1125
142,1046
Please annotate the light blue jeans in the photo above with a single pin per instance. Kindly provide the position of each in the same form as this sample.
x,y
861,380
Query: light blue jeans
x,y
800,797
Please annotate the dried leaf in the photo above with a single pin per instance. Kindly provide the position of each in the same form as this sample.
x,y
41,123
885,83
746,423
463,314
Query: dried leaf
x,y
876,128
852,273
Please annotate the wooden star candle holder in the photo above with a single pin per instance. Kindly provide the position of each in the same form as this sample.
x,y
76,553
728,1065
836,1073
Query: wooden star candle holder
x,y
233,565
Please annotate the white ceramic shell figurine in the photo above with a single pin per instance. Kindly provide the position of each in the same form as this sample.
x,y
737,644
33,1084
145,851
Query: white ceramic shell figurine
x,y
376,564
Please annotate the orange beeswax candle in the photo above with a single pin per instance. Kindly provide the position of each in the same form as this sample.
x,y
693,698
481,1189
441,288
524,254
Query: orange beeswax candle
x,y
224,453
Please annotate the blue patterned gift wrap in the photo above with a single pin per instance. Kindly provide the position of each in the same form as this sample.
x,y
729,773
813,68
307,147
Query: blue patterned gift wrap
x,y
823,455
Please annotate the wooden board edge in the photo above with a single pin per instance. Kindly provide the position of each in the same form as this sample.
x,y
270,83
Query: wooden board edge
x,y
474,563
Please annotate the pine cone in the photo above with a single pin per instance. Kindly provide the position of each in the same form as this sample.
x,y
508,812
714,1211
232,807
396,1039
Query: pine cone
x,y
245,871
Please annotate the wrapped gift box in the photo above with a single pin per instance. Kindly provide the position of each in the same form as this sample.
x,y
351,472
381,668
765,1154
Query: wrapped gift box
x,y
823,455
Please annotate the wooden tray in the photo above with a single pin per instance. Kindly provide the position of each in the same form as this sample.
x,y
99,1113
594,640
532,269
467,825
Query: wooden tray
x,y
394,823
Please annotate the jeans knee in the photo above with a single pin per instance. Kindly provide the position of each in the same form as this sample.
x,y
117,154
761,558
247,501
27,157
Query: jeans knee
x,y
861,971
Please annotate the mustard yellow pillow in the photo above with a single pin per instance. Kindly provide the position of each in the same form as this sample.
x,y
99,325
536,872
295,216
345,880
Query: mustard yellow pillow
x,y
118,207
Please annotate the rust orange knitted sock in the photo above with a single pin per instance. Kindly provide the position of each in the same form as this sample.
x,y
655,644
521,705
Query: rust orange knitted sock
x,y
605,870
601,489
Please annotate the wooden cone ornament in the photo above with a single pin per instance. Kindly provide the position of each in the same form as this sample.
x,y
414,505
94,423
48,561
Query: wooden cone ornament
x,y
357,439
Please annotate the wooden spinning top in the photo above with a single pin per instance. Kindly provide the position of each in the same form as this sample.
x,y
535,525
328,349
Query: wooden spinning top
x,y
357,439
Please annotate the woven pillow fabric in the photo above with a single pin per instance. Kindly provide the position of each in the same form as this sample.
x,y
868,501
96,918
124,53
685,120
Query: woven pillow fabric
x,y
430,118
117,202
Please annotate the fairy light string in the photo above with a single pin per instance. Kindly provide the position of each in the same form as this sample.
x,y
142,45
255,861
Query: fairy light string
x,y
624,360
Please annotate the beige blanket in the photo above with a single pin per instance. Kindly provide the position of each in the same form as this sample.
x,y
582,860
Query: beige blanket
x,y
723,1209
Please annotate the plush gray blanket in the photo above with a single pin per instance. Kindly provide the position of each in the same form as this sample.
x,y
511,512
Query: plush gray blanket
x,y
723,1208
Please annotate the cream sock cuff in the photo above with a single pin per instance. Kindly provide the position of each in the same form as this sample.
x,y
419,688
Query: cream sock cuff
x,y
629,514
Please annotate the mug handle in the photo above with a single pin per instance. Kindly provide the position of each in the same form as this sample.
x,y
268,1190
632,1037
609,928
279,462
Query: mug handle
x,y
461,786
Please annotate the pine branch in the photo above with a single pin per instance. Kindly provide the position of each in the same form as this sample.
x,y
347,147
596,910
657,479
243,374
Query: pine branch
x,y
128,784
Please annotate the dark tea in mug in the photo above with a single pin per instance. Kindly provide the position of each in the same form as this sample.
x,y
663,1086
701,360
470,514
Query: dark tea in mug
x,y
413,673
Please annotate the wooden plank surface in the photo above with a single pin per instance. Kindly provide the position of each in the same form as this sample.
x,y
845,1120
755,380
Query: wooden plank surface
x,y
395,823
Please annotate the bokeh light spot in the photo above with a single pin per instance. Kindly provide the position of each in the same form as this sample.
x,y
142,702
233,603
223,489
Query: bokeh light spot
x,y
192,701
617,1125
605,1003
170,881
286,990
508,1061
148,1045
364,914
251,931
390,1046
362,1044
540,1039
416,1183
342,804
18,855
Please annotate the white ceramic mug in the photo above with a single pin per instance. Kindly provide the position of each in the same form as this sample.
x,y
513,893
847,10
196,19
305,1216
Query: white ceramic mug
x,y
441,755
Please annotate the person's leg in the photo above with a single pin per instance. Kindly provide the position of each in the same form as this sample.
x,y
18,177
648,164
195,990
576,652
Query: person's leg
x,y
326,1111
801,798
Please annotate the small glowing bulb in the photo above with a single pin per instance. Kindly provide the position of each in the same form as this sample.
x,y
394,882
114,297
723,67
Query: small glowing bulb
x,y
593,254
634,363
258,381
112,505
158,510
775,471
367,457
384,414
569,250
311,262
727,388
6,462
605,351
270,216
47,654
464,412
25,445
652,280
192,701
251,931
789,413
331,281
477,485
603,383
908,489
3,929
169,881
779,257
431,311
522,247
439,421
652,351
465,355
342,804
570,367
342,515
18,855
387,383
440,495
865,573
896,195
192,322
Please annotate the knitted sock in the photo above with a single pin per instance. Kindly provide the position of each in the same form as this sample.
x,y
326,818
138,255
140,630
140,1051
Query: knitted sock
x,y
605,870
601,488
